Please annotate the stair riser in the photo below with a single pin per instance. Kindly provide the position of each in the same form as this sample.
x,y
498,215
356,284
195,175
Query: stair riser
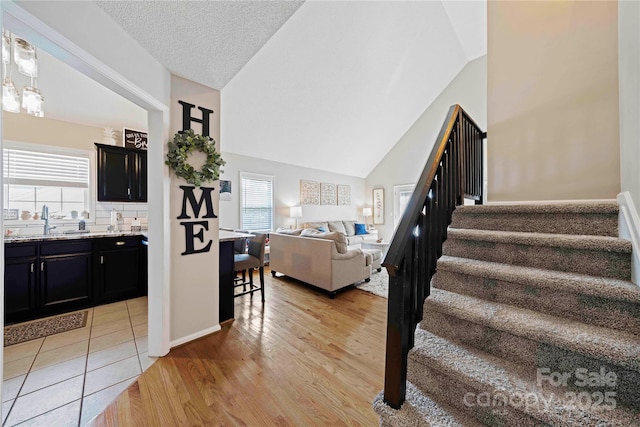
x,y
419,410
532,355
614,265
622,315
586,224
464,397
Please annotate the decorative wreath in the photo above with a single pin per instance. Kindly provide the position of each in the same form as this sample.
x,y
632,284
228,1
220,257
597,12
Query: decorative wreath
x,y
182,145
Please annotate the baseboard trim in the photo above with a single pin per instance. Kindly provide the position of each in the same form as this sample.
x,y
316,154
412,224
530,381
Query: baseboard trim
x,y
195,336
629,229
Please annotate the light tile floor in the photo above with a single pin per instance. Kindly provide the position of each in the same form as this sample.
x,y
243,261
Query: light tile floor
x,y
67,379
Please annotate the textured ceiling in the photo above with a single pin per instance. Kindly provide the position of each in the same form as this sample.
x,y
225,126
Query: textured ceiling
x,y
324,84
341,82
204,41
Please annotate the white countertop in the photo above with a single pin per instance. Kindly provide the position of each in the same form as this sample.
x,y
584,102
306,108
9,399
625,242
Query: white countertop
x,y
226,235
62,236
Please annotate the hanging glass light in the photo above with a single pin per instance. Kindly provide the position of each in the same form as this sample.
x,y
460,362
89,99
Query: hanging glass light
x,y
24,55
33,101
6,47
10,97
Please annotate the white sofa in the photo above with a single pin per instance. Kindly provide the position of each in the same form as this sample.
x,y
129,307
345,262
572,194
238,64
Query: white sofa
x,y
354,241
323,261
343,226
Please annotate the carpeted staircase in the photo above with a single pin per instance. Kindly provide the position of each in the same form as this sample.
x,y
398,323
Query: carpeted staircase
x,y
532,321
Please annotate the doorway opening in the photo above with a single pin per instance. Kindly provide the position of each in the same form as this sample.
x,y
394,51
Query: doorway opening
x,y
401,196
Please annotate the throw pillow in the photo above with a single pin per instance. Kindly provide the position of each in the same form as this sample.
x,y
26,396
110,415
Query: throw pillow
x,y
324,230
317,225
350,227
361,229
337,226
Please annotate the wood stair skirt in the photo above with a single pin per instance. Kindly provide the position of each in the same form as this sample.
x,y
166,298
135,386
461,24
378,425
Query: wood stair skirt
x,y
531,321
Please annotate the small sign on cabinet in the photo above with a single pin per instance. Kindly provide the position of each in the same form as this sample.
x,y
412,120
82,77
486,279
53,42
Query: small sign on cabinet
x,y
134,139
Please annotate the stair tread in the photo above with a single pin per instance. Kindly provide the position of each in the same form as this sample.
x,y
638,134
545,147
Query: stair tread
x,y
602,207
584,242
485,373
420,410
591,285
617,347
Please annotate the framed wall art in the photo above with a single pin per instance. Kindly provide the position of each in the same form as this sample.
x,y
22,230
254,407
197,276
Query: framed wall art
x,y
378,205
329,194
344,195
225,190
309,192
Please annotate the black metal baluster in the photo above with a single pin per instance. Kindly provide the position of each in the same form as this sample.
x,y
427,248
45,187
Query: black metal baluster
x,y
453,171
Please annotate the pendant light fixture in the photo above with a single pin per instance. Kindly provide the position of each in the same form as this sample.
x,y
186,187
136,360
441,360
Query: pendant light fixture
x,y
10,95
33,101
6,47
24,55
25,58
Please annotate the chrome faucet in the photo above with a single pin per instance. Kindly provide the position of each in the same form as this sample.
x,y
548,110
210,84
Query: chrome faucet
x,y
45,217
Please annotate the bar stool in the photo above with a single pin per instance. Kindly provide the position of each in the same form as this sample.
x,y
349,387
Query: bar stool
x,y
240,247
254,258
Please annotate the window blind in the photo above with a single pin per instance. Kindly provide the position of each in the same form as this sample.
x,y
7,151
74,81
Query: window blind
x,y
256,202
44,169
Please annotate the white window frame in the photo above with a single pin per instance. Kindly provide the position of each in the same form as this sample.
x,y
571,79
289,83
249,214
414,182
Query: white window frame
x,y
65,151
257,176
398,211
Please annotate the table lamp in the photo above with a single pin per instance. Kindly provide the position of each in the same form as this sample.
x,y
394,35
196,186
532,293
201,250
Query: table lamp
x,y
366,212
295,212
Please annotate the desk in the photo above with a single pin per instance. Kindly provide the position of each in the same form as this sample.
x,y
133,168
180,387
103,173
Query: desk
x,y
226,271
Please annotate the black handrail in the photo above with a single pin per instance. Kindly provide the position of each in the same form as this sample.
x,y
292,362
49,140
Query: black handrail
x,y
452,172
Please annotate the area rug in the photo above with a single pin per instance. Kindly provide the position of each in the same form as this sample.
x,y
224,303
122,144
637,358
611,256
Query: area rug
x,y
379,284
21,332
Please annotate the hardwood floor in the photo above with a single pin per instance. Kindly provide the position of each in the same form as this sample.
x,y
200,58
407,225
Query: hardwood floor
x,y
301,359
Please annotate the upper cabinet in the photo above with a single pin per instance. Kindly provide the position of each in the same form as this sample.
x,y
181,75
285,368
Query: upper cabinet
x,y
122,174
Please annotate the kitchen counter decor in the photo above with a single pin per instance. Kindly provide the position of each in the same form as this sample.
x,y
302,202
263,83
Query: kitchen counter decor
x,y
182,146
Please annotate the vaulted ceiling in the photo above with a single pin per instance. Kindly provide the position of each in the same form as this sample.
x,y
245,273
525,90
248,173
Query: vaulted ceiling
x,y
328,85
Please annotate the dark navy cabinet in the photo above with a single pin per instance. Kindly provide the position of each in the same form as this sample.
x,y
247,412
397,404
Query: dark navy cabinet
x,y
20,280
118,268
48,277
122,174
65,275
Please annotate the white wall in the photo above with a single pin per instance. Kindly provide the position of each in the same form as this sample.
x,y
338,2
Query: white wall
x,y
407,159
553,120
339,76
629,77
194,277
287,191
